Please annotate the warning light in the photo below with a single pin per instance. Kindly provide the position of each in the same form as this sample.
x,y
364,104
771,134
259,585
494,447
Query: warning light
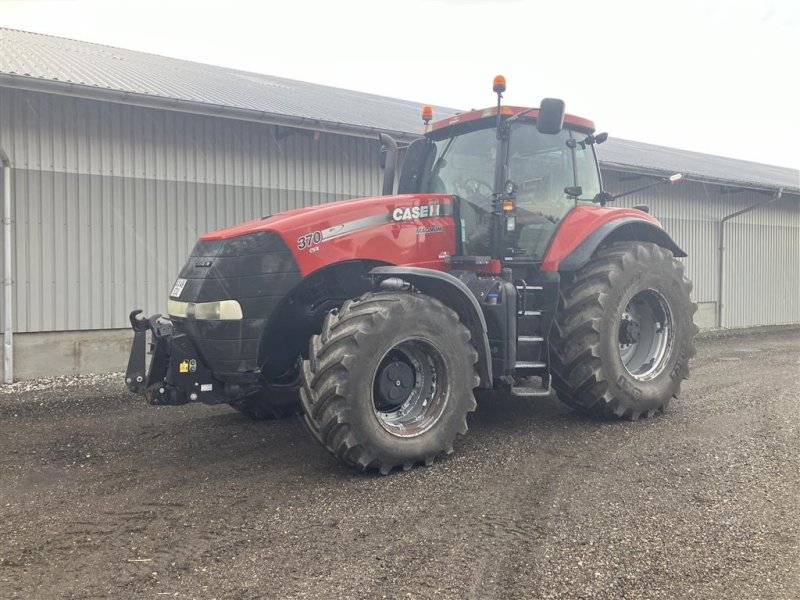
x,y
427,113
499,85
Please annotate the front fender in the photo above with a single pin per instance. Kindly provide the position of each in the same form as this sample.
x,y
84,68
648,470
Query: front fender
x,y
451,292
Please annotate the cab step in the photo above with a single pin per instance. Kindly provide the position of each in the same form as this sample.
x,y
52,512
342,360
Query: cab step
x,y
529,365
527,388
530,392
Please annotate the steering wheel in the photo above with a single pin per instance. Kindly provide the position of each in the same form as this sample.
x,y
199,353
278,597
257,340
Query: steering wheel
x,y
475,187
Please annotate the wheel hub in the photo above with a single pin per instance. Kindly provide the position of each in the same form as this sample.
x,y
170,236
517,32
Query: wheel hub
x,y
395,381
410,388
646,334
629,330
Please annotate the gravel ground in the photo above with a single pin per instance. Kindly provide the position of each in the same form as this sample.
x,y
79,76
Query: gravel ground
x,y
102,496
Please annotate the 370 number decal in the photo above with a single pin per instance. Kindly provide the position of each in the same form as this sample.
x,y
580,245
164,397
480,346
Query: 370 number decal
x,y
309,239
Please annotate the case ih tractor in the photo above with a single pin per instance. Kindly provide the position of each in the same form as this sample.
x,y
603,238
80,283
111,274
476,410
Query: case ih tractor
x,y
496,265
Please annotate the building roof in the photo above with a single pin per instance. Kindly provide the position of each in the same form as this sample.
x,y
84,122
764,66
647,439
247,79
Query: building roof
x,y
627,155
85,67
59,65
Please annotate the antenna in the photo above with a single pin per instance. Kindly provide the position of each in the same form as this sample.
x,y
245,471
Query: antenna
x,y
499,86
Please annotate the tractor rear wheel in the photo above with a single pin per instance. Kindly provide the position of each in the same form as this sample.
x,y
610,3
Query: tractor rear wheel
x,y
270,403
389,381
623,334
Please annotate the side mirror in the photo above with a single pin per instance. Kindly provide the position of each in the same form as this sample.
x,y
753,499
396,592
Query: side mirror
x,y
551,116
389,160
417,160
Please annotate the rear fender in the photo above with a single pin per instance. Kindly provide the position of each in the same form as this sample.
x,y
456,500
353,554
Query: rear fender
x,y
620,230
451,292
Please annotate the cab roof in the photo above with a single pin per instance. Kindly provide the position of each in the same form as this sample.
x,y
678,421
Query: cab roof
x,y
570,121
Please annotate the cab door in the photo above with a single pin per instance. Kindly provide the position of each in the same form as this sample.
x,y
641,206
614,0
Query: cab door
x,y
541,167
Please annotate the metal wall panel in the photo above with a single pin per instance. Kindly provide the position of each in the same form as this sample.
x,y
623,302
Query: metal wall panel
x,y
762,260
109,199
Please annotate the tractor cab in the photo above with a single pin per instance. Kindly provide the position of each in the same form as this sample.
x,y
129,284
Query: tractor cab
x,y
514,174
513,182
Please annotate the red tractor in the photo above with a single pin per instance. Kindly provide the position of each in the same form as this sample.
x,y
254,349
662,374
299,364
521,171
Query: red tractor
x,y
496,265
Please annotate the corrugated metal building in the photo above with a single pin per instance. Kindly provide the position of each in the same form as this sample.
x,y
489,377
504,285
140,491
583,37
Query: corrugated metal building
x,y
118,160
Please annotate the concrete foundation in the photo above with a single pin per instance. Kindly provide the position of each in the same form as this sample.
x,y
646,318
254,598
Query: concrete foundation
x,y
70,352
49,354
706,315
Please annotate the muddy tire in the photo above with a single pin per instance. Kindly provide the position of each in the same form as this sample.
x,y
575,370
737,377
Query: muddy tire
x,y
623,335
389,381
272,403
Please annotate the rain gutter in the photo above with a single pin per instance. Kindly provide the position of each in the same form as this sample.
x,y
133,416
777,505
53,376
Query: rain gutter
x,y
721,266
8,307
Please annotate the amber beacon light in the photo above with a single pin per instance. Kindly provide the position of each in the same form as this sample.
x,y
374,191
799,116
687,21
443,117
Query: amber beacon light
x,y
427,115
499,85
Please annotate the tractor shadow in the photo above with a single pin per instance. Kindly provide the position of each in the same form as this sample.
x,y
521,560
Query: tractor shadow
x,y
229,442
194,443
507,412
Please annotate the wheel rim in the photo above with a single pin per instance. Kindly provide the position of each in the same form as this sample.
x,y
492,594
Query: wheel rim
x,y
410,388
646,335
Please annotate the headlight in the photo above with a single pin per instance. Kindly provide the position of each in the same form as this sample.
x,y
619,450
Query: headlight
x,y
177,309
222,310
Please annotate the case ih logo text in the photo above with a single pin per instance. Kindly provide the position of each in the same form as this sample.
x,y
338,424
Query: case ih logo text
x,y
409,213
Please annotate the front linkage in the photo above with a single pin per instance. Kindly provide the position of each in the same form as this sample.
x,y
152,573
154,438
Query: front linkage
x,y
177,374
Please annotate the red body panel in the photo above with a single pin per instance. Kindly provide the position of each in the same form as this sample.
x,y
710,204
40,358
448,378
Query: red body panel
x,y
579,224
364,229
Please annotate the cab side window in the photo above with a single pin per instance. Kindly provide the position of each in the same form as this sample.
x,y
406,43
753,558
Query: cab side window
x,y
541,167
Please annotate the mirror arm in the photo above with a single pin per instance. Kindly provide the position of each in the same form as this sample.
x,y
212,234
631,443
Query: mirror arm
x,y
639,189
671,179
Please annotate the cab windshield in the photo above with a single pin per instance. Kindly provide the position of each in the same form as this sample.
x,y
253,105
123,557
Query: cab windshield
x,y
541,166
463,164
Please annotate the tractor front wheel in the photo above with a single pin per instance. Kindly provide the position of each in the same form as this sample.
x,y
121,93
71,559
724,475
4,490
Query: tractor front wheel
x,y
623,334
389,381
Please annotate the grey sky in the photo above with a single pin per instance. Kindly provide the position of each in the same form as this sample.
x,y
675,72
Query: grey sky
x,y
708,75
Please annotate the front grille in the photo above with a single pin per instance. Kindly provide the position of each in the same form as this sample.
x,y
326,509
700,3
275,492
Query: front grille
x,y
257,270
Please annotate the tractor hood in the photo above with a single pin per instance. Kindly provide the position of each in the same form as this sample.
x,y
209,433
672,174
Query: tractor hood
x,y
332,211
409,229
